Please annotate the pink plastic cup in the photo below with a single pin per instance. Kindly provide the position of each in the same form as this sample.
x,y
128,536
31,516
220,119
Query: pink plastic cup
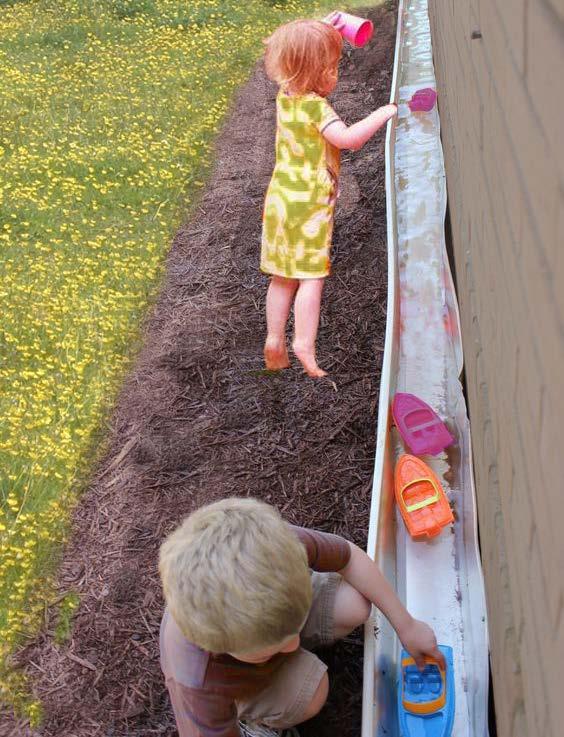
x,y
357,31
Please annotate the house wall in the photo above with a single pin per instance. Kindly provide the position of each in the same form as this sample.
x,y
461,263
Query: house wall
x,y
501,102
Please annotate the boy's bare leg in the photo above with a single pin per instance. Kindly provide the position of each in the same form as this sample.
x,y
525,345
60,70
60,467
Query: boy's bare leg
x,y
307,307
351,609
279,299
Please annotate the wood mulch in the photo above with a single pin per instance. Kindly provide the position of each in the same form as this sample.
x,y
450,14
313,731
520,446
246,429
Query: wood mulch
x,y
198,419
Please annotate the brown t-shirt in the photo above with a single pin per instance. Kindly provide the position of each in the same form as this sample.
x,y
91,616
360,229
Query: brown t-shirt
x,y
204,687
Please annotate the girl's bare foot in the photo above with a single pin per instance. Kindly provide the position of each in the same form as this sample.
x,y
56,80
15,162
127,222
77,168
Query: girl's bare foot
x,y
306,356
276,354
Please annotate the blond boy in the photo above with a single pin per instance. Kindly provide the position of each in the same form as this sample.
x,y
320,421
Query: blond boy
x,y
247,596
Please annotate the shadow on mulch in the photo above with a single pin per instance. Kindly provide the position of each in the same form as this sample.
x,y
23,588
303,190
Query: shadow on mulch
x,y
199,420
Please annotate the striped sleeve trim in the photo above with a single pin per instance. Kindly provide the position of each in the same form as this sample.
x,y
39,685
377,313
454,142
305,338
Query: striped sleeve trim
x,y
330,122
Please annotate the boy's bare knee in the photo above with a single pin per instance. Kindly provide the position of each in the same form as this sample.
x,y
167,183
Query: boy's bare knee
x,y
351,609
319,699
364,609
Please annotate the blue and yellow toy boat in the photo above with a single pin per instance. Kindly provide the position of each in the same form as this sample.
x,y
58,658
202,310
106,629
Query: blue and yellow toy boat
x,y
426,698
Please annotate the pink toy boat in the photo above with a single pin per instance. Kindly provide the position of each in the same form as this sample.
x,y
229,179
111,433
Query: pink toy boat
x,y
423,100
421,428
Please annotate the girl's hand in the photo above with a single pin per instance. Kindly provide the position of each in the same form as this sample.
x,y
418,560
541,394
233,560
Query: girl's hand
x,y
419,640
391,109
334,19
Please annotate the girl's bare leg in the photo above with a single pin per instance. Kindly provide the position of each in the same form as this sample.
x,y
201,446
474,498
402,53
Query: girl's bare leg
x,y
307,306
279,299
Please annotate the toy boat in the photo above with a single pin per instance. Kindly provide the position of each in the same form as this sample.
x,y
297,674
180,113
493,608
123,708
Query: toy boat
x,y
421,498
421,428
426,698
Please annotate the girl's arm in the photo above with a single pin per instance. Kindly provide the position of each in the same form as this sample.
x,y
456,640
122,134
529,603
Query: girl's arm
x,y
364,575
356,135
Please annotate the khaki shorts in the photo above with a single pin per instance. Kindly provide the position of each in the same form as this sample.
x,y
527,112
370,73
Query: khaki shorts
x,y
284,701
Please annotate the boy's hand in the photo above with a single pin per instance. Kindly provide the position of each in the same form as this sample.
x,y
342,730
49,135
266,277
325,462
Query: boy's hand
x,y
419,640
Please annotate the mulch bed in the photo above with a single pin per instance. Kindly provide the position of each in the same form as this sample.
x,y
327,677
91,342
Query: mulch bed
x,y
199,419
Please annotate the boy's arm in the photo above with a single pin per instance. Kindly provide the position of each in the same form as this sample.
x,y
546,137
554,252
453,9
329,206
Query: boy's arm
x,y
356,135
365,576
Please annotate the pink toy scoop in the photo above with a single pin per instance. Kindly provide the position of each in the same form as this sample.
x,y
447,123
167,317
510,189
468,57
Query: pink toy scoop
x,y
421,428
423,100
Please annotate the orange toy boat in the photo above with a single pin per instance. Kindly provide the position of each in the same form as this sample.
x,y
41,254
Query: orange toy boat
x,y
421,499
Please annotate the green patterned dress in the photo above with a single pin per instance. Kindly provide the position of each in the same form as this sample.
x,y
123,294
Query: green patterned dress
x,y
300,200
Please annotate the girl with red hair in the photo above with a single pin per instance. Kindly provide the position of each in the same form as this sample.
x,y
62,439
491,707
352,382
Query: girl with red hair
x,y
302,57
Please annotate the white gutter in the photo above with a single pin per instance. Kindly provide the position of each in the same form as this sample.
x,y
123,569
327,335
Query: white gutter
x,y
439,581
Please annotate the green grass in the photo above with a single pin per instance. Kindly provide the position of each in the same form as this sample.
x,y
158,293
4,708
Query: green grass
x,y
109,112
65,611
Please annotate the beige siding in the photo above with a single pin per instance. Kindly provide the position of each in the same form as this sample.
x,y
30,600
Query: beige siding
x,y
501,102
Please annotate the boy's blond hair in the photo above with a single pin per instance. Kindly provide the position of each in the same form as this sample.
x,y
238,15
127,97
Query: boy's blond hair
x,y
235,577
303,55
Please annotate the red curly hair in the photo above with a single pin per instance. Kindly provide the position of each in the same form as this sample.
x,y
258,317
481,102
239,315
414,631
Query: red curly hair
x,y
302,56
